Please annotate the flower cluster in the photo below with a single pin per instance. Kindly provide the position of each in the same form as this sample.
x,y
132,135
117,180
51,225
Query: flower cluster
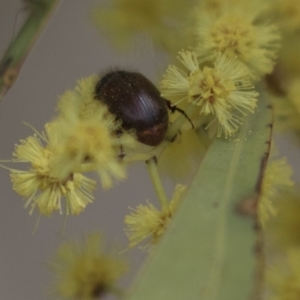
x,y
236,32
81,138
277,179
224,90
85,271
162,20
38,184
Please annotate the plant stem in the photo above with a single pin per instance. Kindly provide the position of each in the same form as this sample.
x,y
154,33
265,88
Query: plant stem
x,y
17,51
160,191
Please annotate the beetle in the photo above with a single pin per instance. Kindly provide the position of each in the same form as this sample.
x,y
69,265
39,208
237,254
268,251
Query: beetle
x,y
135,100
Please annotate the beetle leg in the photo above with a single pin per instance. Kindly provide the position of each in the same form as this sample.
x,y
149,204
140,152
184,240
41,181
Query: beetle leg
x,y
154,158
176,136
119,133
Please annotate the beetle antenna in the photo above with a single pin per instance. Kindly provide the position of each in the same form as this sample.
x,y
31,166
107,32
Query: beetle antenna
x,y
174,108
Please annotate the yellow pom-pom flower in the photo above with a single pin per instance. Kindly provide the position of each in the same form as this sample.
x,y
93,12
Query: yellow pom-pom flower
x,y
287,13
146,221
277,178
283,279
84,271
162,20
223,90
237,33
40,187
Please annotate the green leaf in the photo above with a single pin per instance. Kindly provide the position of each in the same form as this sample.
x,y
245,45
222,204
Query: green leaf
x,y
208,252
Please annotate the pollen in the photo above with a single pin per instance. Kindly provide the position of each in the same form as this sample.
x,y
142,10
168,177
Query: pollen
x,y
223,91
236,34
85,271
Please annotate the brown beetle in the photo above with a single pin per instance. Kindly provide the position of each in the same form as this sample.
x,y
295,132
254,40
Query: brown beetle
x,y
134,100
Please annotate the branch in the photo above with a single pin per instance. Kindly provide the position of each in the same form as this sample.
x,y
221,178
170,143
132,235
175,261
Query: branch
x,y
15,55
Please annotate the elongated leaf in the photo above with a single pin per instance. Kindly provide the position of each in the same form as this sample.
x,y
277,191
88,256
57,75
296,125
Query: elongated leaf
x,y
208,252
